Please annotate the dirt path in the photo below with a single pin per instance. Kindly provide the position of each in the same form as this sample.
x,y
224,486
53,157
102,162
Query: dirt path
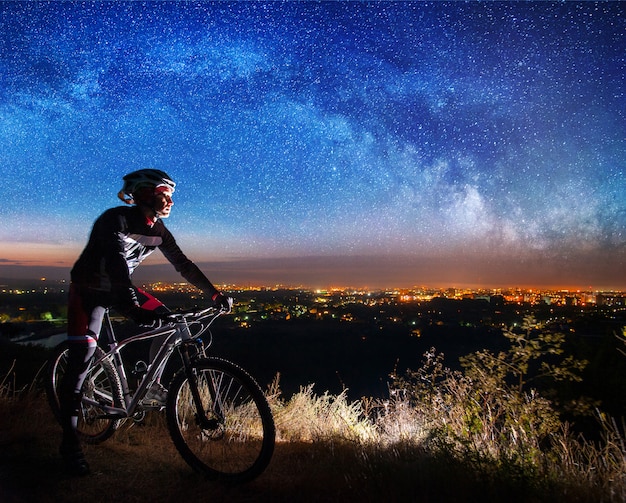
x,y
140,464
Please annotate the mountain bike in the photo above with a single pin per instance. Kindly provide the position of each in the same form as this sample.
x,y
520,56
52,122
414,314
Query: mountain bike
x,y
217,415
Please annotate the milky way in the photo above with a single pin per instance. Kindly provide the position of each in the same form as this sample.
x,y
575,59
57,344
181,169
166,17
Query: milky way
x,y
482,130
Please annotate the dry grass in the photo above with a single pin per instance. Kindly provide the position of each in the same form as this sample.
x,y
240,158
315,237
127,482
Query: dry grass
x,y
138,464
328,449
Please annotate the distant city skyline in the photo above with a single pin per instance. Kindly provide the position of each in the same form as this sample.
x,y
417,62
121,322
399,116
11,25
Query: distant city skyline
x,y
368,272
324,143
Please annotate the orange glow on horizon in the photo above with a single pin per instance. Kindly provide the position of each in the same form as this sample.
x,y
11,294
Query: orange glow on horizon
x,y
37,254
330,273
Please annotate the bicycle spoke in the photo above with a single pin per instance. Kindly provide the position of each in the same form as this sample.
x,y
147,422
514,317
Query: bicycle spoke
x,y
236,438
101,388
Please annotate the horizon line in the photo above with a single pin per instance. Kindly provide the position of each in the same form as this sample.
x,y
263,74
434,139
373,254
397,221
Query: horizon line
x,y
372,272
282,286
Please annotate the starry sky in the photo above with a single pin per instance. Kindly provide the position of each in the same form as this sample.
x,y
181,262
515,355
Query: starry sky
x,y
325,143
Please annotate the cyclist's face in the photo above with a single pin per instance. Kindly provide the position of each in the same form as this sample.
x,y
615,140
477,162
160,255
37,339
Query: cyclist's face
x,y
163,203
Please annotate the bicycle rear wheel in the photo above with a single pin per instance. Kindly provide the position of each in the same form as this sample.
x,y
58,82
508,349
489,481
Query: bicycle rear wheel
x,y
234,441
102,385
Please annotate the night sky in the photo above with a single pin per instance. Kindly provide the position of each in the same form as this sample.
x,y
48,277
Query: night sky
x,y
325,143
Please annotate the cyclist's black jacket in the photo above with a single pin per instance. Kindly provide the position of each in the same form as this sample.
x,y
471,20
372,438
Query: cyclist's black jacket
x,y
120,240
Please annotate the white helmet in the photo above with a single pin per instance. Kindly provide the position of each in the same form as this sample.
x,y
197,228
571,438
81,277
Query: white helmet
x,y
141,179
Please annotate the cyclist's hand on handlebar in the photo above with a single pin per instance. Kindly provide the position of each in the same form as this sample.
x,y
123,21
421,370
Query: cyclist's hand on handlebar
x,y
223,302
145,317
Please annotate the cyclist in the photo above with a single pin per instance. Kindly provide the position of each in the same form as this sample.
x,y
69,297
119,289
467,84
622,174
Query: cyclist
x,y
121,238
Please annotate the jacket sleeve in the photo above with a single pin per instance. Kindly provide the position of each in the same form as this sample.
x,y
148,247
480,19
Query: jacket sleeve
x,y
187,269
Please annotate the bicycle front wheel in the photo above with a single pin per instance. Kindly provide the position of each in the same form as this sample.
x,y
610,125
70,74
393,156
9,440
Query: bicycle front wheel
x,y
101,388
234,440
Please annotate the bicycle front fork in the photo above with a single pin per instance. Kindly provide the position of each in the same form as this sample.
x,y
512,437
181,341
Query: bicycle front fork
x,y
192,378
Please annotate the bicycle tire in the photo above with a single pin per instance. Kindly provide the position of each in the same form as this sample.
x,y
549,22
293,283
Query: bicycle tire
x,y
239,445
102,383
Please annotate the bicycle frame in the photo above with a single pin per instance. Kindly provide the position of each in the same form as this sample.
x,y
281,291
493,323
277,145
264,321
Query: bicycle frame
x,y
217,415
177,333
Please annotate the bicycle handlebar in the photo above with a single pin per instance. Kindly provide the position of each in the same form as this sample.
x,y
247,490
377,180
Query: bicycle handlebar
x,y
195,313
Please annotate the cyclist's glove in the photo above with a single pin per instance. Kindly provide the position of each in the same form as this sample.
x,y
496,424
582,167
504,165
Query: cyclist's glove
x,y
223,302
145,317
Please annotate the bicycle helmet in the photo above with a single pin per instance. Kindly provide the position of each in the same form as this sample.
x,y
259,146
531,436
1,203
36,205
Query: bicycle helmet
x,y
141,179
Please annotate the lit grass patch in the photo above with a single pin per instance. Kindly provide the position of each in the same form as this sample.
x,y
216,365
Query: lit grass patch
x,y
306,417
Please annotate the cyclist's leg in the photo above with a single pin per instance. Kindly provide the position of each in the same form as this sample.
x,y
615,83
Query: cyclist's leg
x,y
84,322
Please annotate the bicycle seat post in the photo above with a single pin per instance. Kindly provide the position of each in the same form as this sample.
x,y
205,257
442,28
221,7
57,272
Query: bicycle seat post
x,y
111,340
